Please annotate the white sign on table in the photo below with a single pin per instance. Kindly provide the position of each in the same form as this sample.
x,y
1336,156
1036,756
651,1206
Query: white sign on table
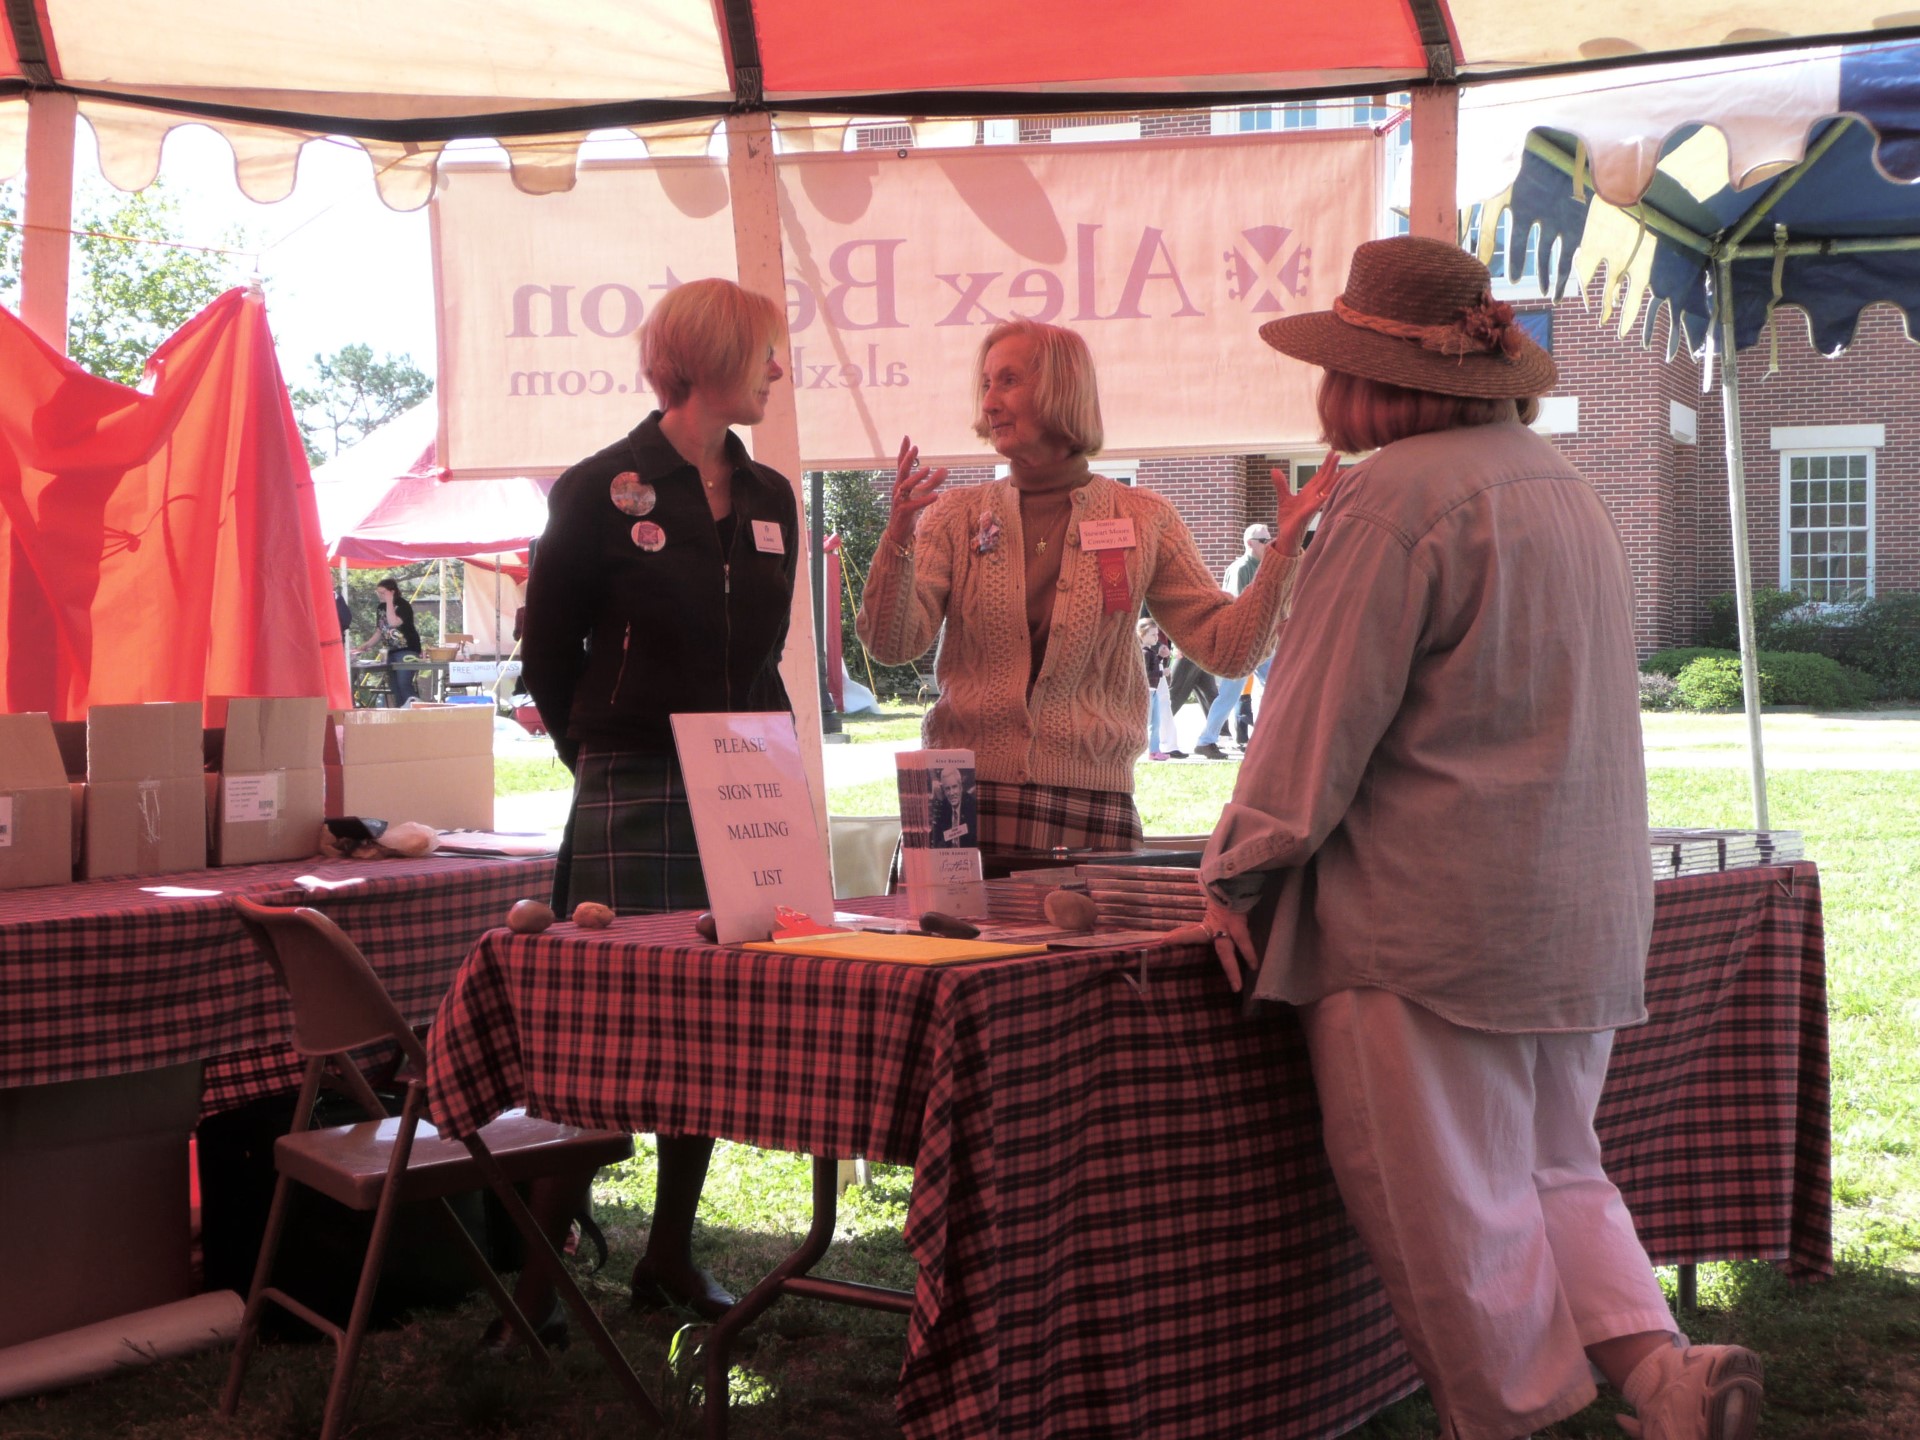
x,y
753,818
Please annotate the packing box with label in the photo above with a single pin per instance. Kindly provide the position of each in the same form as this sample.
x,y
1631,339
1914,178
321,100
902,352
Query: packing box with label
x,y
36,808
146,801
433,764
266,788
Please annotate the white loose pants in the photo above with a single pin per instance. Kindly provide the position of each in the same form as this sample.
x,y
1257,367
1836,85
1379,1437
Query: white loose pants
x,y
1468,1163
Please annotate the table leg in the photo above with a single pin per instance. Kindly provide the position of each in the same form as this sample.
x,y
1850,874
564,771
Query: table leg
x,y
1686,1282
790,1277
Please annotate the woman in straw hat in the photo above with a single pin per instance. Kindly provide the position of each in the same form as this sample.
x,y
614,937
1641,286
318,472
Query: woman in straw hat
x,y
1438,855
1033,586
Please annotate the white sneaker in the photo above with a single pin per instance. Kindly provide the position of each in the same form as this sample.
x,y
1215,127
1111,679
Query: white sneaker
x,y
1704,1392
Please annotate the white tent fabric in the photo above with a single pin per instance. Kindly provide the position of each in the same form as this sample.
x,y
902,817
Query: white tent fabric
x,y
539,75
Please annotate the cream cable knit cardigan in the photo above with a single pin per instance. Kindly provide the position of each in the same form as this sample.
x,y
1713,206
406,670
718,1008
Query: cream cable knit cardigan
x,y
1086,722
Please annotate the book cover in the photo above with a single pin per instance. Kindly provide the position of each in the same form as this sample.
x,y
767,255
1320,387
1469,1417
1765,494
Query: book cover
x,y
940,831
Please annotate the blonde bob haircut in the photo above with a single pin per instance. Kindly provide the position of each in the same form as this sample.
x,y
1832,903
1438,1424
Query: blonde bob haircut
x,y
1065,396
1358,414
706,332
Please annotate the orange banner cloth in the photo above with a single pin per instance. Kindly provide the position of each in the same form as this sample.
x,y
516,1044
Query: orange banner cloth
x,y
161,546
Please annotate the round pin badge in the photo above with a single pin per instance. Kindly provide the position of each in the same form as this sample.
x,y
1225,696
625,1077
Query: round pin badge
x,y
648,536
631,495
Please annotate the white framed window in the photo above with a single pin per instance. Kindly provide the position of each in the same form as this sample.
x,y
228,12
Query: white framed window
x,y
1826,523
1525,285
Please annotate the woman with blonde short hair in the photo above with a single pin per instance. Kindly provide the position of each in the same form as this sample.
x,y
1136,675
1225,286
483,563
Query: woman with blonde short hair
x,y
1436,854
1035,583
662,585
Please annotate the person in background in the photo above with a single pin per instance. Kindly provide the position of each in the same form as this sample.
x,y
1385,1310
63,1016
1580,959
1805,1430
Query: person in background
x,y
1232,690
662,585
1436,852
394,617
1156,651
1034,584
1187,684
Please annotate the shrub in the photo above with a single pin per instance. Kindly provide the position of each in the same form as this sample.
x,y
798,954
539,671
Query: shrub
x,y
1671,662
1658,692
1884,641
1770,610
1797,678
1712,682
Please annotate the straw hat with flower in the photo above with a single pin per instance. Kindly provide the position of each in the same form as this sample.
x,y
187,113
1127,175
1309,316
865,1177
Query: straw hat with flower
x,y
1419,314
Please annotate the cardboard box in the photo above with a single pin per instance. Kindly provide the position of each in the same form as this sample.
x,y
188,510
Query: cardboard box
x,y
266,787
146,806
430,763
94,1197
36,808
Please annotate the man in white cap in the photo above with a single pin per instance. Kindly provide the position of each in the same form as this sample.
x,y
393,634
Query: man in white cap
x,y
1256,539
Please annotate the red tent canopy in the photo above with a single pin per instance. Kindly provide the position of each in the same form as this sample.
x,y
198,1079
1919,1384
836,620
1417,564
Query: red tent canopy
x,y
387,501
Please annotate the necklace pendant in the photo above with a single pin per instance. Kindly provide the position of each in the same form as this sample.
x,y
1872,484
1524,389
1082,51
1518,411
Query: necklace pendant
x,y
1041,548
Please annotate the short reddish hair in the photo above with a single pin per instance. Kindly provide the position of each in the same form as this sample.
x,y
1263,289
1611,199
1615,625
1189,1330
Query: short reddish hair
x,y
1358,414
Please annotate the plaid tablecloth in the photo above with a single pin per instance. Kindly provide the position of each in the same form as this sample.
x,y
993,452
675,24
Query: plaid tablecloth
x,y
1123,1219
108,977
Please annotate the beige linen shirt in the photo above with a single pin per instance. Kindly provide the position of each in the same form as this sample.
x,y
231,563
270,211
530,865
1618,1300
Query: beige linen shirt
x,y
1445,796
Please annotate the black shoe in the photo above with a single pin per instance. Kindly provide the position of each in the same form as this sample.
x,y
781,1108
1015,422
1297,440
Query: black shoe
x,y
1176,754
1211,751
500,1339
651,1292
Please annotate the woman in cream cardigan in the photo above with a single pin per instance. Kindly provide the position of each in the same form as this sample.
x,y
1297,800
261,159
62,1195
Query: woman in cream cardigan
x,y
1033,585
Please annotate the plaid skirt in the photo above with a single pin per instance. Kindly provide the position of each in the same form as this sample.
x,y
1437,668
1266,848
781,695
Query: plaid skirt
x,y
1023,819
629,840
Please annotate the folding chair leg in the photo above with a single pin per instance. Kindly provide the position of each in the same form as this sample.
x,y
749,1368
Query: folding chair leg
x,y
483,1270
540,1252
348,1358
256,1297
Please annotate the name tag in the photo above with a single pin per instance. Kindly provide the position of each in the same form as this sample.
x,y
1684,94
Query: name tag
x,y
1106,534
767,538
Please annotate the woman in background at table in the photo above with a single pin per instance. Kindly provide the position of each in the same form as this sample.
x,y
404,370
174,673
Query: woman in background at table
x,y
394,617
1038,581
1436,850
661,586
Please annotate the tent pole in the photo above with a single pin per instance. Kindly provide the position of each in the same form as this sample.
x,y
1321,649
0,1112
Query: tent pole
x,y
443,600
761,266
1433,207
1737,503
46,246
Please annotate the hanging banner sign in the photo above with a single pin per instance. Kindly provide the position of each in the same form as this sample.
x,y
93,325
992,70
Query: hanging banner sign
x,y
1166,256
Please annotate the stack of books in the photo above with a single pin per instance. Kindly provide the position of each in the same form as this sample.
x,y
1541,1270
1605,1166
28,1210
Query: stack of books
x,y
1145,897
1779,847
1021,898
1683,851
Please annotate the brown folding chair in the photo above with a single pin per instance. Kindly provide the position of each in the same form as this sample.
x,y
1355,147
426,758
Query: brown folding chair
x,y
339,1005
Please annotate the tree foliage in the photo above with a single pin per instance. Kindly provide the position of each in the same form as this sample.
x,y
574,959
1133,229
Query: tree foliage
x,y
133,281
352,393
856,511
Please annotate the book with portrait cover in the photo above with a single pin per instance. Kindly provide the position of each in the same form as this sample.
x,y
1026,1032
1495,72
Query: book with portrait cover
x,y
940,832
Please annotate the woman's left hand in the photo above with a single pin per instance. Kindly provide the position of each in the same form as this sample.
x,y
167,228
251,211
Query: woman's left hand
x,y
1296,510
1231,939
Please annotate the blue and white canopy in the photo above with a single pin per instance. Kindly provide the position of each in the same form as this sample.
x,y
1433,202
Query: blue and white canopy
x,y
1805,171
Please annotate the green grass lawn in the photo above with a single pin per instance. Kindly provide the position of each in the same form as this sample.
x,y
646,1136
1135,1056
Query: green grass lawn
x,y
1841,1355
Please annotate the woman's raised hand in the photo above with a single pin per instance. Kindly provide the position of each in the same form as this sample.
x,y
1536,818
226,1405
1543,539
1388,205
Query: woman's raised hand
x,y
914,487
1297,509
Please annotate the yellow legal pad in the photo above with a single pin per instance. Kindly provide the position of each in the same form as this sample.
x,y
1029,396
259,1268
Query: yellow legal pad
x,y
895,949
